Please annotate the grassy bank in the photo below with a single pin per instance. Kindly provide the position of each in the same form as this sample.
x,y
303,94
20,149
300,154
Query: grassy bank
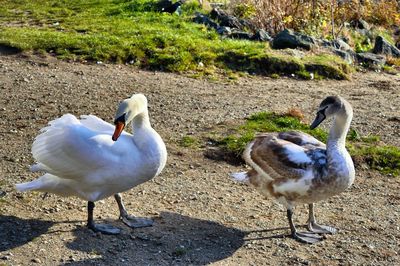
x,y
134,32
367,149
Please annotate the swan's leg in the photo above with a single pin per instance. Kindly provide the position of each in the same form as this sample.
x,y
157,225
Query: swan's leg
x,y
305,237
103,228
131,221
316,228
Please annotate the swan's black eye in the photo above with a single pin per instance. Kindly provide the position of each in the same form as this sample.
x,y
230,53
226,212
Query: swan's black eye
x,y
120,119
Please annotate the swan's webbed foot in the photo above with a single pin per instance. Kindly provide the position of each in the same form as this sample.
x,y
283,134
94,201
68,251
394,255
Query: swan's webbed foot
x,y
103,228
106,229
306,237
321,229
136,222
131,221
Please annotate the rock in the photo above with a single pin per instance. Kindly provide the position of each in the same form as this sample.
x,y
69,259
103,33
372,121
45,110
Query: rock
x,y
360,24
262,36
248,24
382,46
371,60
241,35
347,56
289,39
341,45
225,19
224,31
337,44
295,53
202,19
170,7
162,4
36,260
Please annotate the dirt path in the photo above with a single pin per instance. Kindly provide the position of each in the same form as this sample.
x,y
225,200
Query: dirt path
x,y
201,216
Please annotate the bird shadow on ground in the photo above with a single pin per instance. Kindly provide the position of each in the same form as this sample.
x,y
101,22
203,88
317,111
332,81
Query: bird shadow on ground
x,y
16,231
266,234
174,239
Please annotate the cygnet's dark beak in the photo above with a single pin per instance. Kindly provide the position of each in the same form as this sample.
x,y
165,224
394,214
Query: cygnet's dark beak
x,y
318,120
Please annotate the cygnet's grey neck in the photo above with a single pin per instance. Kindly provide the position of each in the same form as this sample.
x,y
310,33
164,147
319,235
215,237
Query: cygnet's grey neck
x,y
340,127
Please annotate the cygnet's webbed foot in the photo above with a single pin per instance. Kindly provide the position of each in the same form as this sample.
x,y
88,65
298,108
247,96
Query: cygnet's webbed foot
x,y
106,229
136,222
304,237
307,237
321,229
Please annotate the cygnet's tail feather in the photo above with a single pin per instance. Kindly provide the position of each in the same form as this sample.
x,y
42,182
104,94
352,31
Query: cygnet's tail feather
x,y
240,177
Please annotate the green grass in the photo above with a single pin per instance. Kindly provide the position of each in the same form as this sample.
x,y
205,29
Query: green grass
x,y
367,149
133,32
188,141
386,159
265,122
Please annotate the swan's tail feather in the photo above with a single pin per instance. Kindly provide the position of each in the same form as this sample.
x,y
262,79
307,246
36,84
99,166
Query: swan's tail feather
x,y
37,167
45,183
27,186
240,177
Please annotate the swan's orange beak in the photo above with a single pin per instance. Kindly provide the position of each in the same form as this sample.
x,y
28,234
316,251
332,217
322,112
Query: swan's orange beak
x,y
119,126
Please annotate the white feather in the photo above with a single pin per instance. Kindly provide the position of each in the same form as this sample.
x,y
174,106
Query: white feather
x,y
240,177
297,154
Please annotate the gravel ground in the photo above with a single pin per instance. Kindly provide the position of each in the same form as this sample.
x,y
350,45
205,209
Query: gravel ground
x,y
202,217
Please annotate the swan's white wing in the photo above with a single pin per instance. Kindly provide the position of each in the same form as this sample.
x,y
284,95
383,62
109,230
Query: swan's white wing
x,y
96,124
69,149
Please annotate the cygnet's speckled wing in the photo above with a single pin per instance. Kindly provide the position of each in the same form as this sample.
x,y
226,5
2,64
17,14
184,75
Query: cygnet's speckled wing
x,y
287,155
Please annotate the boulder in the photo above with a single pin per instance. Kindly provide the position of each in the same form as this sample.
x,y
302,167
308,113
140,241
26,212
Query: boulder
x,y
382,46
362,27
336,44
371,60
289,39
162,4
247,24
341,45
262,36
225,19
347,56
202,19
360,24
226,31
242,35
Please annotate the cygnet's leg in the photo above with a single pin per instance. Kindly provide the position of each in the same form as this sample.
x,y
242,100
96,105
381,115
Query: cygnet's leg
x,y
305,237
131,221
316,228
103,228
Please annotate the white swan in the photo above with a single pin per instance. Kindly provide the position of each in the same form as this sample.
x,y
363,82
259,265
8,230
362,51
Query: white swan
x,y
296,168
80,158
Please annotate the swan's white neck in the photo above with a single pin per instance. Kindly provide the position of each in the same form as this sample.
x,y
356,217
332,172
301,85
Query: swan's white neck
x,y
141,120
149,142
